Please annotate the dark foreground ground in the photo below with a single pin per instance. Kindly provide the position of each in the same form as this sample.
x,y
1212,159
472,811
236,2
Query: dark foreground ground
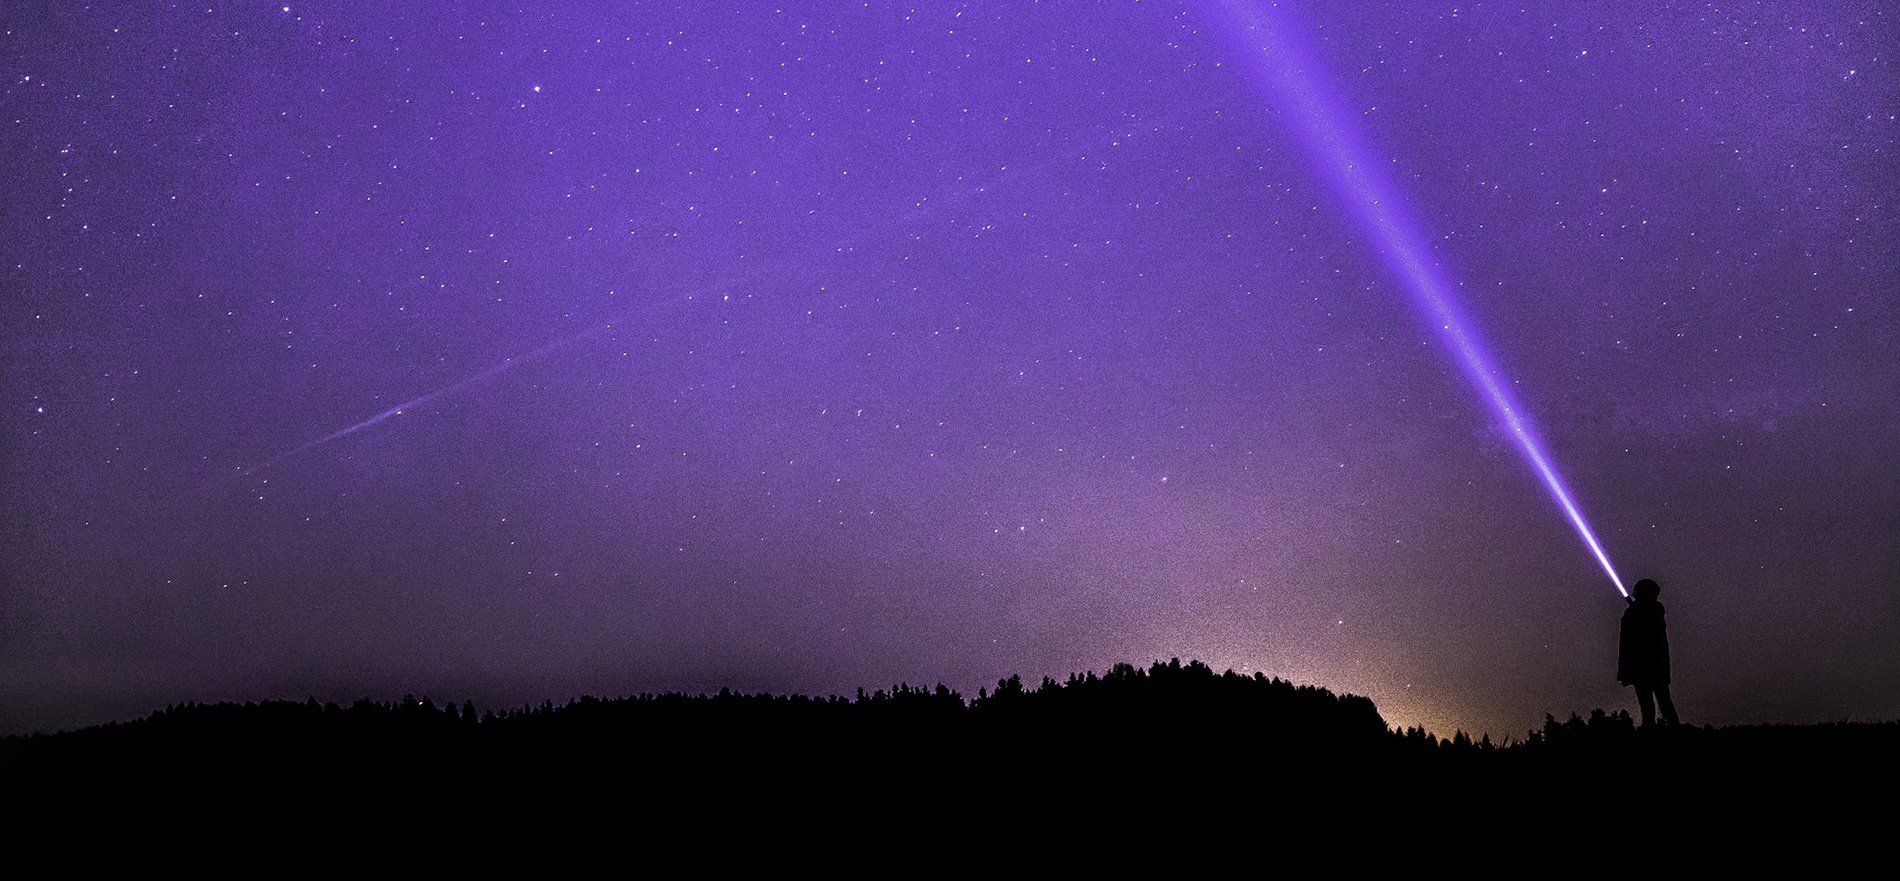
x,y
1174,743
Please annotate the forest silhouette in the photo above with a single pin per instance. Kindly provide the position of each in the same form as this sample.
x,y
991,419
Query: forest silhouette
x,y
1172,733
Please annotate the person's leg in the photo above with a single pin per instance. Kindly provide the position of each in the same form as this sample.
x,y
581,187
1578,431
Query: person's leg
x,y
1668,706
1647,702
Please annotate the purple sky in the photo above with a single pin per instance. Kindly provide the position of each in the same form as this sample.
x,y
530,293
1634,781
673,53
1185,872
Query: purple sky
x,y
853,345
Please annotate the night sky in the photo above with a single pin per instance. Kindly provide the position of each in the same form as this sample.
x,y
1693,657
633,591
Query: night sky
x,y
536,350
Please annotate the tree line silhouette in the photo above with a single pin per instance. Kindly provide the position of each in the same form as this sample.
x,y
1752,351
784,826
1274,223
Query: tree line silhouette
x,y
1126,737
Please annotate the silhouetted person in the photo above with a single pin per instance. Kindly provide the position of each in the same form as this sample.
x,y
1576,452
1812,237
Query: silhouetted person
x,y
1642,658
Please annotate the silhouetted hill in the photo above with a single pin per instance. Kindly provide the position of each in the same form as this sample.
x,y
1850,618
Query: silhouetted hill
x,y
1129,739
1090,715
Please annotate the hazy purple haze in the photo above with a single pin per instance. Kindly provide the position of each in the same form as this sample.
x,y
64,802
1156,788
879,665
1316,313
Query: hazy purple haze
x,y
809,347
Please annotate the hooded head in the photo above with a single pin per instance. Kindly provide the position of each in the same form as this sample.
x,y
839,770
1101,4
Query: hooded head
x,y
1647,590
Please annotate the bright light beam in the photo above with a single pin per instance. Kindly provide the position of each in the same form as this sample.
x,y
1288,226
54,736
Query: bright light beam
x,y
1289,79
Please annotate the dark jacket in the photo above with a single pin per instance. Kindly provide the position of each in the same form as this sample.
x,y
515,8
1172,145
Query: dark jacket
x,y
1642,657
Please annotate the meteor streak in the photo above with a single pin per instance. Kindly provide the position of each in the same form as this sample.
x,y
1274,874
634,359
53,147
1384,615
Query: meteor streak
x,y
490,373
413,403
1287,77
924,207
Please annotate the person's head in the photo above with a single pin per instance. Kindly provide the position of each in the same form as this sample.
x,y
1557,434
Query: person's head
x,y
1647,589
